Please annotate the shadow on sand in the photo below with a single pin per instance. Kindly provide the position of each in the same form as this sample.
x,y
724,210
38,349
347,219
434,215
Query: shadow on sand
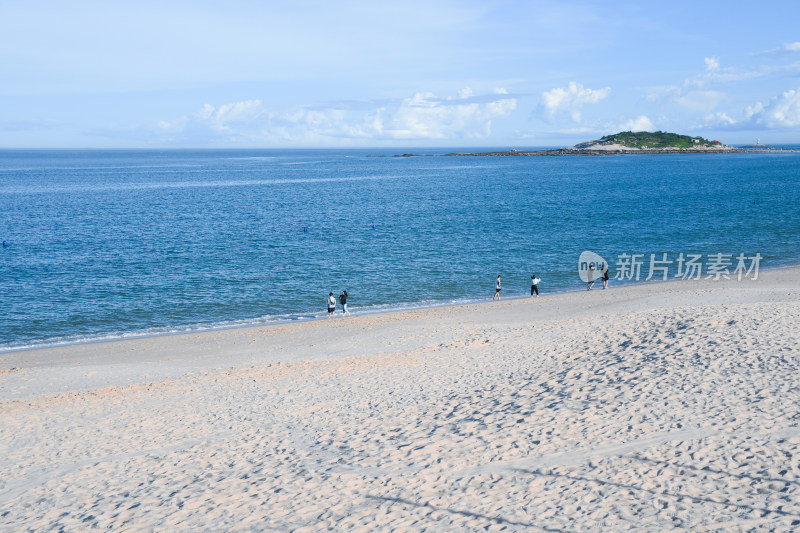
x,y
468,514
722,502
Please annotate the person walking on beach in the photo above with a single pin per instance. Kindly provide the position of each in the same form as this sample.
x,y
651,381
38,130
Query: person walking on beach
x,y
604,273
535,285
497,289
590,278
331,305
343,301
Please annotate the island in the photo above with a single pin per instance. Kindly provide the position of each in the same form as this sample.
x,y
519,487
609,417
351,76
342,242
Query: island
x,y
628,142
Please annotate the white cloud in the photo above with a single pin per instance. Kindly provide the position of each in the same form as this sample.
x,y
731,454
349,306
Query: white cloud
x,y
694,93
712,63
787,48
688,96
733,74
228,116
753,110
419,117
719,119
466,92
570,100
640,123
782,111
225,119
424,116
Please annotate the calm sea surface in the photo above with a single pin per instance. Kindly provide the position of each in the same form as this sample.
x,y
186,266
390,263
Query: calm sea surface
x,y
103,244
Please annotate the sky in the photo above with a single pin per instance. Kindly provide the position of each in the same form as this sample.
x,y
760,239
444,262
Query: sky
x,y
410,73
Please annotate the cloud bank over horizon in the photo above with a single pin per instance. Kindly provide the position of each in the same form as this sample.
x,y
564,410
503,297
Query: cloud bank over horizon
x,y
420,117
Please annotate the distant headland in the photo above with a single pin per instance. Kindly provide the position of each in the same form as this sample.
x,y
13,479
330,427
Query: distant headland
x,y
640,142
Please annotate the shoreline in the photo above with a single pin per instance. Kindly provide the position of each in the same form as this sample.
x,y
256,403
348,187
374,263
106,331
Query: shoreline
x,y
305,317
195,351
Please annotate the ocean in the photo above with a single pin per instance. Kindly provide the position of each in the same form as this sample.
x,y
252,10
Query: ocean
x,y
101,244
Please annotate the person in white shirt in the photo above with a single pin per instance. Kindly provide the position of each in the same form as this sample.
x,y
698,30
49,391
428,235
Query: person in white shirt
x,y
535,285
331,305
497,288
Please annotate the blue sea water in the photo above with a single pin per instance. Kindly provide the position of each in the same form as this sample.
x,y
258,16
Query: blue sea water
x,y
101,244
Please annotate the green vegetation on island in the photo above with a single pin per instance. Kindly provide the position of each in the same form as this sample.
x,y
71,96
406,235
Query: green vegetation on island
x,y
628,142
650,140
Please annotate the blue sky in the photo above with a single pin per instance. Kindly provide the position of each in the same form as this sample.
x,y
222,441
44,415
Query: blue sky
x,y
397,74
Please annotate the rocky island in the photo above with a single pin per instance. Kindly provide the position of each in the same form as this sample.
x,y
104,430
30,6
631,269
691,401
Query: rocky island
x,y
628,142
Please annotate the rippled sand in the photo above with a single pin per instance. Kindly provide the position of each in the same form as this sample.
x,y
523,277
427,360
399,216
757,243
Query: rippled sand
x,y
650,407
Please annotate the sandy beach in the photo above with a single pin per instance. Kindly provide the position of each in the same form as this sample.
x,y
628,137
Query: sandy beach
x,y
647,407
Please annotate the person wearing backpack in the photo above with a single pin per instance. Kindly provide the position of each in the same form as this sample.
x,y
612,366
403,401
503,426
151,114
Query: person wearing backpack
x,y
331,305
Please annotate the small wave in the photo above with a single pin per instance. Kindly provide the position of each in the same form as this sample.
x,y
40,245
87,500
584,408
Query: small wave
x,y
188,185
125,167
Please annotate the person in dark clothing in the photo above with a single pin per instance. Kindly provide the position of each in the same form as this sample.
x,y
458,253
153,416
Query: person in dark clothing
x,y
343,301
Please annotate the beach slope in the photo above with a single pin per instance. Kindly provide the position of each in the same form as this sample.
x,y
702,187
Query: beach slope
x,y
651,406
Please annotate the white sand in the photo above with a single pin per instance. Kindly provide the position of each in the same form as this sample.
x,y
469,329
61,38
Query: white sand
x,y
614,147
650,407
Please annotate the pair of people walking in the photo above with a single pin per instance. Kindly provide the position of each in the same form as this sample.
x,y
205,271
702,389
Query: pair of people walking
x,y
603,274
332,304
535,280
